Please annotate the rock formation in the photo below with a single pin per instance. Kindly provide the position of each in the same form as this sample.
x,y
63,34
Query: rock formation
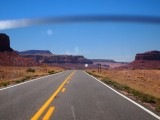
x,y
147,60
5,43
36,52
152,55
9,57
35,57
59,59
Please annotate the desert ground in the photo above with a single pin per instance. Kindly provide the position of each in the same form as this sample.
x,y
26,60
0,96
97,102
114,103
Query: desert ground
x,y
146,81
11,74
140,85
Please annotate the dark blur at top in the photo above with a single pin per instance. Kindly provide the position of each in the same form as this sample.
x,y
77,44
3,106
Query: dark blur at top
x,y
19,9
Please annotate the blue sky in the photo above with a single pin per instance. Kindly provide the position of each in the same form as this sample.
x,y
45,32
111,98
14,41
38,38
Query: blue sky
x,y
110,40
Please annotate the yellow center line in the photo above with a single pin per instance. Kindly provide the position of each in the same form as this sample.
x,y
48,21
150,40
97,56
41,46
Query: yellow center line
x,y
64,89
49,113
43,108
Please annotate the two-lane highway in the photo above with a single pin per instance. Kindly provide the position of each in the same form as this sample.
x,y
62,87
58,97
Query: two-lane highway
x,y
67,96
22,102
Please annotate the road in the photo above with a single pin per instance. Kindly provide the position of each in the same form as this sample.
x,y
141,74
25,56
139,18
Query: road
x,y
70,95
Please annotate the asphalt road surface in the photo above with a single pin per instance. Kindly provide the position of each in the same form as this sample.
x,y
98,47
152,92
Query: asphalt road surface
x,y
69,95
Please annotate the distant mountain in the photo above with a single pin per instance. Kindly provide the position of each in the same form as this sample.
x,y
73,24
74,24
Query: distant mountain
x,y
9,57
151,55
102,60
58,59
35,52
147,60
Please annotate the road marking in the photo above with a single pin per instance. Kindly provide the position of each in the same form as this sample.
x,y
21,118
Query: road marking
x,y
29,81
135,103
46,104
49,113
64,89
73,113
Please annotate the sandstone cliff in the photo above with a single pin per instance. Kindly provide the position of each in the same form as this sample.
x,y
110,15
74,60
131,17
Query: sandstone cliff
x,y
59,59
5,43
9,57
152,55
147,60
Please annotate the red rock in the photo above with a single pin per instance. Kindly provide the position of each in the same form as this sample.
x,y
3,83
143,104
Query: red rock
x,y
9,57
147,60
60,59
5,43
152,55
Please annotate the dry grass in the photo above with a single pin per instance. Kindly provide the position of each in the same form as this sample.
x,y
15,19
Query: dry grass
x,y
145,81
141,85
11,75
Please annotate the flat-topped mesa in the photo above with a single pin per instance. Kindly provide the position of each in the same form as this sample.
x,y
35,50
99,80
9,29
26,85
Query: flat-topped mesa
x,y
36,52
5,43
151,55
59,59
147,60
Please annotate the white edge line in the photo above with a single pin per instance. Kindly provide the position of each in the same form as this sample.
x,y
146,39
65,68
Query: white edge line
x,y
29,81
140,106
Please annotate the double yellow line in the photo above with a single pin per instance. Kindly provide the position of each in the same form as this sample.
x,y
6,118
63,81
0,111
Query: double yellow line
x,y
44,107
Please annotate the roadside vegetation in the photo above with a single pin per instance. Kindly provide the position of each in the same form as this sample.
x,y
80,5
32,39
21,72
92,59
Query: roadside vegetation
x,y
51,72
31,70
138,86
12,75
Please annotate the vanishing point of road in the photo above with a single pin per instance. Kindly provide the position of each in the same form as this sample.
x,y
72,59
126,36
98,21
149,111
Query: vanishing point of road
x,y
69,95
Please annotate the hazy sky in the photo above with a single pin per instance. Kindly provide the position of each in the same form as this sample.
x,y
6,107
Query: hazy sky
x,y
110,40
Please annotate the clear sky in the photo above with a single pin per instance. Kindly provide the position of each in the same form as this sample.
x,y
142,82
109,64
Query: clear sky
x,y
109,40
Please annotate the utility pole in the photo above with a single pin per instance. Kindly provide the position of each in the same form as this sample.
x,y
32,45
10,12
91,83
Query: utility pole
x,y
99,68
